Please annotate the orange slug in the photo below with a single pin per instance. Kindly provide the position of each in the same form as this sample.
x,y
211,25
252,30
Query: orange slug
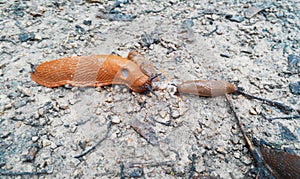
x,y
206,88
94,70
282,164
145,65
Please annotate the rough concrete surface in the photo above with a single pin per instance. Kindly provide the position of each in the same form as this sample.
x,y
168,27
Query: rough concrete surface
x,y
246,43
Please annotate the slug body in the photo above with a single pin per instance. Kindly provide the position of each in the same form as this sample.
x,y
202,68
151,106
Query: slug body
x,y
283,164
206,88
94,70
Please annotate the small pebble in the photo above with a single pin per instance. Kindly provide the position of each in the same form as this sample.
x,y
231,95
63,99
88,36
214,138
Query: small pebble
x,y
295,88
234,18
24,37
34,138
38,37
163,114
219,31
252,111
44,164
2,164
21,103
74,147
297,146
221,150
5,135
258,109
108,99
136,173
246,160
73,101
8,167
237,155
53,145
64,104
87,22
42,121
78,173
8,106
82,144
48,90
175,114
24,91
30,155
73,128
46,143
293,60
115,120
18,124
234,130
251,11
235,140
188,23
79,29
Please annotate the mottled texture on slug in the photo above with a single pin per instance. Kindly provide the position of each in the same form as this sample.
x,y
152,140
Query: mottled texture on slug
x,y
145,65
206,88
283,164
94,70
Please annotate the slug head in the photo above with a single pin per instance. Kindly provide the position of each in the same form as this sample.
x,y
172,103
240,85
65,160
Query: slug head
x,y
129,73
147,86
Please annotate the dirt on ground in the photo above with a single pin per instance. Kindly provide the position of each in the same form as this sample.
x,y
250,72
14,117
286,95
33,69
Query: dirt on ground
x,y
42,130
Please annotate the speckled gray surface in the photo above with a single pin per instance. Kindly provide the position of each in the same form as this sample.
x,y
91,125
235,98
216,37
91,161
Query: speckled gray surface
x,y
246,43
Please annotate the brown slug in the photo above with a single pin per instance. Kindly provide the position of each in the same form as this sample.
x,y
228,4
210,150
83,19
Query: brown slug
x,y
94,70
206,88
282,164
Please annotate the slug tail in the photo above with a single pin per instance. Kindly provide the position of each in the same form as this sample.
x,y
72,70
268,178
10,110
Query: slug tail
x,y
47,83
54,73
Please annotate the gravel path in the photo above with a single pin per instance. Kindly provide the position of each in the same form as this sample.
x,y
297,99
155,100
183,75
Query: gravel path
x,y
42,130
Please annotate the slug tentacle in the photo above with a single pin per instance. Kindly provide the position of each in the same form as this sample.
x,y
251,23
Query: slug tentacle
x,y
154,77
149,88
